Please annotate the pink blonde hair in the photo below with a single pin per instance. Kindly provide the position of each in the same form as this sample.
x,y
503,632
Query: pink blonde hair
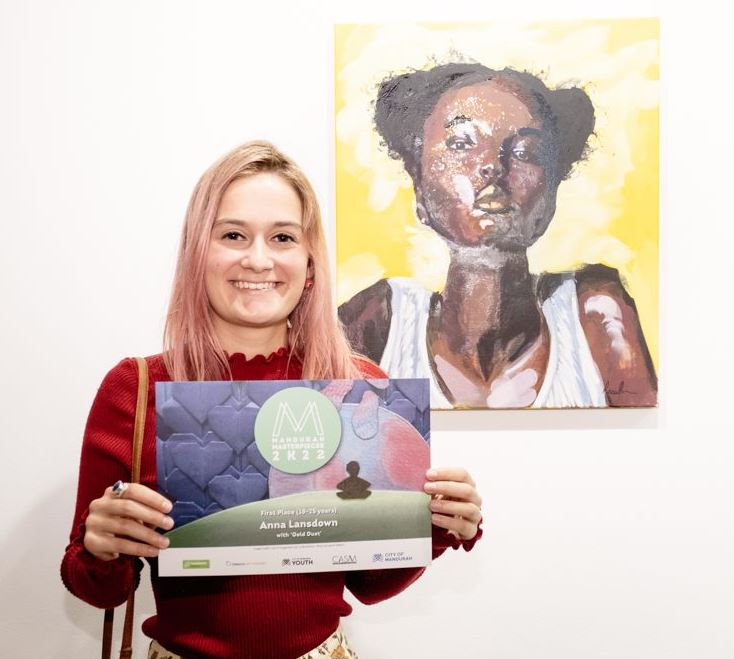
x,y
192,349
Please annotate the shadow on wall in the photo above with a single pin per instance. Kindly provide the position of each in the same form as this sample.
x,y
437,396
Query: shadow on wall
x,y
52,622
567,419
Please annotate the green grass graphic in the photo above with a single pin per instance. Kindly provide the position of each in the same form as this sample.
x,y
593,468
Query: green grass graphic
x,y
385,515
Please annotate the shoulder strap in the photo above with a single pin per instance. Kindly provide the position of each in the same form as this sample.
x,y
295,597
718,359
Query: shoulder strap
x,y
141,407
140,410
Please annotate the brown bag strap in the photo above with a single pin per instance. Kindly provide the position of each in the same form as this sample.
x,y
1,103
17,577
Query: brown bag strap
x,y
141,407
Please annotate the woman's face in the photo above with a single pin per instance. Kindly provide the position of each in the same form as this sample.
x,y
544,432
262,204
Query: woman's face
x,y
257,261
485,168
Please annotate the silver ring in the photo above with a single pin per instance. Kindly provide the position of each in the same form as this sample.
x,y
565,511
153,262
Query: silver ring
x,y
119,488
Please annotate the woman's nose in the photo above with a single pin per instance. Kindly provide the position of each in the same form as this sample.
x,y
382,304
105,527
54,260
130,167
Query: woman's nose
x,y
491,170
257,257
489,161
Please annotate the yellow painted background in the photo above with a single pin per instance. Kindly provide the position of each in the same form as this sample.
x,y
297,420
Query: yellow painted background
x,y
607,208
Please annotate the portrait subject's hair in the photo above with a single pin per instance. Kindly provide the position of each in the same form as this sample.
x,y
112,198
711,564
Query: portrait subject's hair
x,y
404,102
192,350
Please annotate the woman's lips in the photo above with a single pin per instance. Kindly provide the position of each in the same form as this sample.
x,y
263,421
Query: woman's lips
x,y
254,285
490,200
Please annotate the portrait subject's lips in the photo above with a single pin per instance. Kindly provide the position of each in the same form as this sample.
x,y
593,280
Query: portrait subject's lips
x,y
491,199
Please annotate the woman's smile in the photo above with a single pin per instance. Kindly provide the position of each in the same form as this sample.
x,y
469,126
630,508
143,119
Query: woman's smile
x,y
255,285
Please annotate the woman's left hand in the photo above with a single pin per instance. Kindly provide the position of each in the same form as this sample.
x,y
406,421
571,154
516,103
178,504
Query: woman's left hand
x,y
455,503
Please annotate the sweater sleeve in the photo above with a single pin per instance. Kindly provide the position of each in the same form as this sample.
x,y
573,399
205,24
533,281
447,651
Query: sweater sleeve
x,y
373,586
368,369
105,458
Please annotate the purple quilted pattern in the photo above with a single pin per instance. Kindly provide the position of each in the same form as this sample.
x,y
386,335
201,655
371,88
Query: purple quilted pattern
x,y
186,489
229,491
177,419
256,459
265,389
233,426
186,511
239,395
200,462
419,396
404,408
199,397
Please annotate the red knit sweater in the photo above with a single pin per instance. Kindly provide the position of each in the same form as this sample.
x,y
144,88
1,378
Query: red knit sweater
x,y
258,617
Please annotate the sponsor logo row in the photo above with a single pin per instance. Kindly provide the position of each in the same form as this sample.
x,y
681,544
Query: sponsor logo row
x,y
304,561
350,559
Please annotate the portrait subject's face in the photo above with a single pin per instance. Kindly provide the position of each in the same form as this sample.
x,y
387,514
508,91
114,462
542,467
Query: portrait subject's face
x,y
486,171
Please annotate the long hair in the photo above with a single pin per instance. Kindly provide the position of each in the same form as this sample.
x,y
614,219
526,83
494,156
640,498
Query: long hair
x,y
192,349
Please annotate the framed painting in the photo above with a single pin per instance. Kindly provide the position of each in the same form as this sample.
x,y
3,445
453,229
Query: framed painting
x,y
497,208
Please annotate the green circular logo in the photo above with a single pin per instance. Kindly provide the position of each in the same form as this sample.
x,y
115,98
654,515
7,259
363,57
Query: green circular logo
x,y
298,430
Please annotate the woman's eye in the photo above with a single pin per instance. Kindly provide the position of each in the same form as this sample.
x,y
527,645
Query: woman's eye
x,y
284,238
460,143
526,152
233,235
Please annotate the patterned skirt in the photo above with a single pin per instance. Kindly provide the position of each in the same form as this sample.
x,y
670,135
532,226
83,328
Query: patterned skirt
x,y
334,647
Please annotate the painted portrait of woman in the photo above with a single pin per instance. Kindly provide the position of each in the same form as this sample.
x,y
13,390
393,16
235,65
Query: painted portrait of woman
x,y
486,151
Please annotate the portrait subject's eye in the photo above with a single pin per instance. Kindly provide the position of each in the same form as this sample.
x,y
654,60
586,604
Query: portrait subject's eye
x,y
284,238
233,235
460,142
526,149
523,155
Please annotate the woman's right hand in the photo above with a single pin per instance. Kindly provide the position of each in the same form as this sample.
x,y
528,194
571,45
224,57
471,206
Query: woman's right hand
x,y
125,524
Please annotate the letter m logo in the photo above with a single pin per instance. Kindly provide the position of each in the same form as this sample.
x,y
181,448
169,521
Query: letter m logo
x,y
285,416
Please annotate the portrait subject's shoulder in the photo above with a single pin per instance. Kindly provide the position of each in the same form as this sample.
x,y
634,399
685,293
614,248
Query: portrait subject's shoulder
x,y
603,300
548,282
600,279
611,323
366,319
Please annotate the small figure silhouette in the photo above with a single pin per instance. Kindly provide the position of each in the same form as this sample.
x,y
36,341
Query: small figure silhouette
x,y
353,487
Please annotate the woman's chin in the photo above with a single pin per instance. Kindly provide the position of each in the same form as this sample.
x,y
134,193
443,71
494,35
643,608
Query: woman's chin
x,y
258,318
490,230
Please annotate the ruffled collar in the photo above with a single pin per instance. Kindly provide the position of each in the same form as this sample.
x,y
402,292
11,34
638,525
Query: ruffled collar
x,y
240,359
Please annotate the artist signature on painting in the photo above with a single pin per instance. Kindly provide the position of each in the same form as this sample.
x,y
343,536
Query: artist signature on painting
x,y
617,391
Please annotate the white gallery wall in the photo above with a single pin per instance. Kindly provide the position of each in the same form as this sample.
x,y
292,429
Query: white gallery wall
x,y
609,534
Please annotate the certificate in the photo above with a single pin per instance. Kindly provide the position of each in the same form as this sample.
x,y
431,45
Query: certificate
x,y
272,477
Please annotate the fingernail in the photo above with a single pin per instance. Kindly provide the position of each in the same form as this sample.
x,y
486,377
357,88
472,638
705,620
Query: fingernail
x,y
431,473
430,487
168,522
166,506
164,542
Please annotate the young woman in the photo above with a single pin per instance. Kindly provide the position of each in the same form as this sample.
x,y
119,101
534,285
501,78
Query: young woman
x,y
251,300
486,151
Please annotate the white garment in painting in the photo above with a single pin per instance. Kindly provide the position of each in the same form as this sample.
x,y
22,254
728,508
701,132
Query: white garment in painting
x,y
571,379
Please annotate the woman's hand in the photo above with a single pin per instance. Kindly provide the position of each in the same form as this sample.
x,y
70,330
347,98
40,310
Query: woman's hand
x,y
455,502
124,524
